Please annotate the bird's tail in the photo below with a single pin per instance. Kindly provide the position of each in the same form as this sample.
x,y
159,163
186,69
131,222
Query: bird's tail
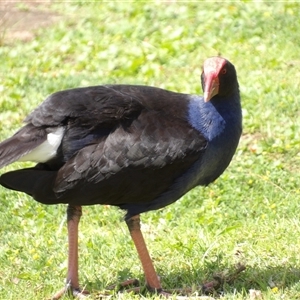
x,y
36,182
21,143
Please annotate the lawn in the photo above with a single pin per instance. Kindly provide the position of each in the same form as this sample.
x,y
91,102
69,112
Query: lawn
x,y
248,217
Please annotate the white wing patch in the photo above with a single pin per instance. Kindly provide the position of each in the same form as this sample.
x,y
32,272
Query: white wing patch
x,y
46,150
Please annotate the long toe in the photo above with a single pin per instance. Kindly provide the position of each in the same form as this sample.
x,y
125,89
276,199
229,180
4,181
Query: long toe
x,y
73,292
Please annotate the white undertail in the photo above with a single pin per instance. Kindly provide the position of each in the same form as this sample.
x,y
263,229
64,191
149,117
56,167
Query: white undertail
x,y
47,150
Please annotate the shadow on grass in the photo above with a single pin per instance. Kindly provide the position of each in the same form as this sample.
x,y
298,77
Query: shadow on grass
x,y
236,279
223,281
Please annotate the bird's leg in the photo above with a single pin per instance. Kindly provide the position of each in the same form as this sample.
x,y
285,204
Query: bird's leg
x,y
72,285
152,280
73,217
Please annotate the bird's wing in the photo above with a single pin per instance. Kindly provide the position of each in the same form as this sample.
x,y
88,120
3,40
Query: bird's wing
x,y
140,158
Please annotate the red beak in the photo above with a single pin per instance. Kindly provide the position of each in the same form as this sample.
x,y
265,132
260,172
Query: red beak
x,y
211,86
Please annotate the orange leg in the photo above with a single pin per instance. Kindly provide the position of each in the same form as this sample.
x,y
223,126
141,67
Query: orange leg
x,y
72,285
152,280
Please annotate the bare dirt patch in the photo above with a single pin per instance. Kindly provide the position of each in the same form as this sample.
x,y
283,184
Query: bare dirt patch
x,y
20,20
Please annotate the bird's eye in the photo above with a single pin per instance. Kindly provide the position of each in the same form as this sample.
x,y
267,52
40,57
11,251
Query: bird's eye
x,y
224,71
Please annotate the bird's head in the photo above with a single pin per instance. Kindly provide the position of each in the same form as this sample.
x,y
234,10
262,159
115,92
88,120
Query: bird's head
x,y
218,78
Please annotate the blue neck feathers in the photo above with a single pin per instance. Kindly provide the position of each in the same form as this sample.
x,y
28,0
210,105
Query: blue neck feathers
x,y
210,118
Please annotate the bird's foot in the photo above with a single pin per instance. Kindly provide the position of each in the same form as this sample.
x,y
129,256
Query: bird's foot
x,y
73,292
130,285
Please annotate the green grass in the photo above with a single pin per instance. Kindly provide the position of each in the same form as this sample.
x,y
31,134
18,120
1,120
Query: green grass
x,y
249,215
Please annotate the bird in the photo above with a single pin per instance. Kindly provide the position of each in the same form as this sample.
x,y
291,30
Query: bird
x,y
136,147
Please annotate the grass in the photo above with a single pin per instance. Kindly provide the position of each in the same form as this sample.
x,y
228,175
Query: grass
x,y
248,216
